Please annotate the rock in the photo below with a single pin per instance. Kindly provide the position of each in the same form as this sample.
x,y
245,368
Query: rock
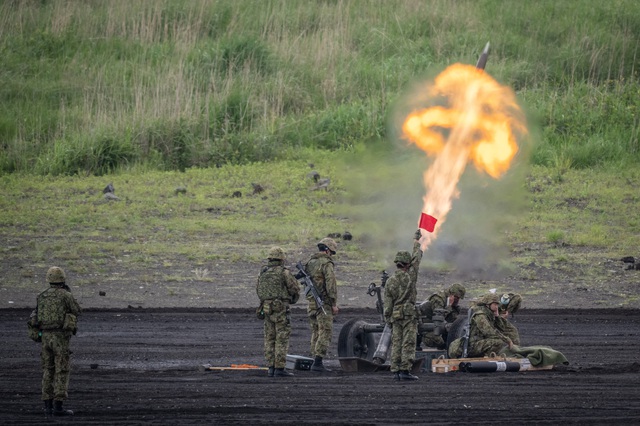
x,y
180,190
314,175
110,196
257,188
347,236
102,293
322,184
628,259
237,194
109,189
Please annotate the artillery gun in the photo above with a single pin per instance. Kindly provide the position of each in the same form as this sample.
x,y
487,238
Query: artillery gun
x,y
358,338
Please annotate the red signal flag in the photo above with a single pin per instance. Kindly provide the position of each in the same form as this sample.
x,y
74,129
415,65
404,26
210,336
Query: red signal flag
x,y
427,222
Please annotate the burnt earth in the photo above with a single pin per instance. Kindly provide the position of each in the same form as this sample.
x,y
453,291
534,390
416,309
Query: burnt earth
x,y
141,366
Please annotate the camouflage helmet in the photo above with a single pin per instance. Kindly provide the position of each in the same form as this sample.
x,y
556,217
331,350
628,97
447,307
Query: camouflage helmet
x,y
328,243
276,253
55,275
403,257
457,289
489,299
511,302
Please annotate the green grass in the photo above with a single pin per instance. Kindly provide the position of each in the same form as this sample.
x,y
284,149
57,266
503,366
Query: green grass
x,y
90,88
563,225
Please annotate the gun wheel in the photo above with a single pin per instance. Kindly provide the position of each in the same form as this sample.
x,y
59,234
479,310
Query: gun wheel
x,y
355,342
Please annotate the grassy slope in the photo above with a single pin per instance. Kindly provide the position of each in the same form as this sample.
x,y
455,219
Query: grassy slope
x,y
88,87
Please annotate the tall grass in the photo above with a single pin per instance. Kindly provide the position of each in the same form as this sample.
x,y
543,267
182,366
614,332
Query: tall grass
x,y
89,87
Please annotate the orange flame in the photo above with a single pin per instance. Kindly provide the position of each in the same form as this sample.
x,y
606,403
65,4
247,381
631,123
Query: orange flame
x,y
478,122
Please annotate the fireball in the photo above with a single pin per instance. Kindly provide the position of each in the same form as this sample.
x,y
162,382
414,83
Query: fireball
x,y
474,120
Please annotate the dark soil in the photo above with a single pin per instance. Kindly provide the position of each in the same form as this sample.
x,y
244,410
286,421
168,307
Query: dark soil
x,y
146,371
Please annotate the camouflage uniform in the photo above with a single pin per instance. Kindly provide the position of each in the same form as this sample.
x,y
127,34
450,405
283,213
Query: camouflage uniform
x,y
321,270
276,288
484,336
440,301
57,310
509,304
400,310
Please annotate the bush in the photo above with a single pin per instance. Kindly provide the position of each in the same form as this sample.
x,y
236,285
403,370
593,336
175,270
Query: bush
x,y
86,155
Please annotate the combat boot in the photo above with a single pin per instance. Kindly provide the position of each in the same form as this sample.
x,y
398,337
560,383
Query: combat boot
x,y
48,407
318,367
405,375
271,371
59,411
281,372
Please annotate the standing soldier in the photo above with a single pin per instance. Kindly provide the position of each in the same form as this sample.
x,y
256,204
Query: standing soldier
x,y
57,312
447,300
400,310
320,269
485,337
277,288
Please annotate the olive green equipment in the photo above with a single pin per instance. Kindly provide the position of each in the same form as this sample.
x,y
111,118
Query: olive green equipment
x,y
403,257
55,275
276,253
328,243
260,311
33,328
309,287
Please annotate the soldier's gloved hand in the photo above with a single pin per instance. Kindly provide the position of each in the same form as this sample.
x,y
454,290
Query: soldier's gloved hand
x,y
418,234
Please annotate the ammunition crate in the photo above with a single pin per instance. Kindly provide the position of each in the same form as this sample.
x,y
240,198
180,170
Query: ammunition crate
x,y
297,362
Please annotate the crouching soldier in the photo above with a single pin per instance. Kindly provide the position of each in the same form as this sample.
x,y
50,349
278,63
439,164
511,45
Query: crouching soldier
x,y
448,302
276,289
485,337
509,304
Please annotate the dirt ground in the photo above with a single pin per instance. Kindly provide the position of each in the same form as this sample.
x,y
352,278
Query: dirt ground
x,y
141,366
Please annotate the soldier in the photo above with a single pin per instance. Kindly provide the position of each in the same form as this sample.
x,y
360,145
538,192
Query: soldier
x,y
321,270
277,288
400,310
484,336
447,300
57,312
509,304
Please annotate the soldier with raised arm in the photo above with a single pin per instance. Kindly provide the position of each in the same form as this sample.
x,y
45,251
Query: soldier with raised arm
x,y
400,310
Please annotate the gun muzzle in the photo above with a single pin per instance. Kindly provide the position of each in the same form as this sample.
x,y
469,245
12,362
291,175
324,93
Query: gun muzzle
x,y
482,61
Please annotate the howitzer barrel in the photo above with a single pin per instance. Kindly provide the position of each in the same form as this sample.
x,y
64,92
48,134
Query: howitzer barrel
x,y
428,327
384,345
373,328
